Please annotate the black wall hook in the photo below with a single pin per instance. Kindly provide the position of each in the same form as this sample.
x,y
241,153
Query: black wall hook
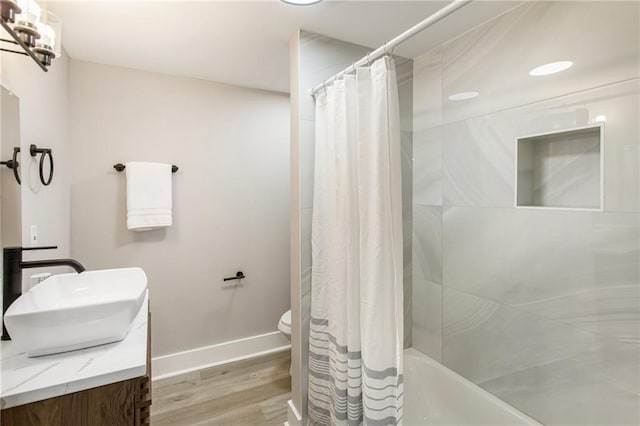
x,y
239,275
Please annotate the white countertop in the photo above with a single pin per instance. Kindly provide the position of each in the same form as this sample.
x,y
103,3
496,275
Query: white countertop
x,y
24,380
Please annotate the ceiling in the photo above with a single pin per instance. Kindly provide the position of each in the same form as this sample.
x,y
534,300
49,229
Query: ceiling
x,y
240,42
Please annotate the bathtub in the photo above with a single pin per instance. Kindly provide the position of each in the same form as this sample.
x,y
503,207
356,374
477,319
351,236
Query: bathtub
x,y
435,395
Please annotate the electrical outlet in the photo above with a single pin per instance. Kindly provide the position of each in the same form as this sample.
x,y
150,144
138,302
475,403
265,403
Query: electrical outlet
x,y
34,235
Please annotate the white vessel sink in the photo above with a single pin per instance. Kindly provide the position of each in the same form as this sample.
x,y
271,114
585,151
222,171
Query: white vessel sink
x,y
74,311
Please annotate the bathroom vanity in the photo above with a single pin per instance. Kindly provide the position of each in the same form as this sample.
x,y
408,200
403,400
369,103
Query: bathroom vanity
x,y
106,385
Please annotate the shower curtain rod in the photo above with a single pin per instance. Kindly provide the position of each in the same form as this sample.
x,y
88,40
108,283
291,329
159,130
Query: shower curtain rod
x,y
391,44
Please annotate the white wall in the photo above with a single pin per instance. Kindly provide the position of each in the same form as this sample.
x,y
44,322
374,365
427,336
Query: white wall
x,y
230,202
43,121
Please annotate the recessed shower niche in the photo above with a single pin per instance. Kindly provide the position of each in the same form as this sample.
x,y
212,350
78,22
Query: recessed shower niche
x,y
562,169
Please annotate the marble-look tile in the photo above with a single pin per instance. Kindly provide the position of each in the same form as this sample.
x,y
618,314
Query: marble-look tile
x,y
407,231
484,340
561,170
553,327
550,371
620,104
490,60
408,320
478,162
478,165
523,256
306,156
468,184
599,387
427,115
427,318
407,171
612,311
405,94
407,174
427,166
427,243
621,147
618,362
404,76
427,90
479,153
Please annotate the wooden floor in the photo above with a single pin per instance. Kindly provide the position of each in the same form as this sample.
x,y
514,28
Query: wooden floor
x,y
251,392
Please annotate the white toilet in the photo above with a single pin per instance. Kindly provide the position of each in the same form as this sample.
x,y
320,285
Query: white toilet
x,y
284,325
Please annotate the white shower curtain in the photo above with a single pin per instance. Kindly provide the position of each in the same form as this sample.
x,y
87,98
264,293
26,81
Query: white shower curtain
x,y
356,330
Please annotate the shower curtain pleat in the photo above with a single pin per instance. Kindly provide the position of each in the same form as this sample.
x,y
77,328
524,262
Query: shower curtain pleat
x,y
356,326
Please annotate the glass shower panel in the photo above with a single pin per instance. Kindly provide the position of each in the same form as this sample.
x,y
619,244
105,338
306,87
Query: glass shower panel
x,y
539,306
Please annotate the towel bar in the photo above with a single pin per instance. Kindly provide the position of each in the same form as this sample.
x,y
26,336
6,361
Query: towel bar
x,y
120,167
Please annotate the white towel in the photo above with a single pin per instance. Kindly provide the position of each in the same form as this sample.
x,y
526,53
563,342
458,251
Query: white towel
x,y
148,196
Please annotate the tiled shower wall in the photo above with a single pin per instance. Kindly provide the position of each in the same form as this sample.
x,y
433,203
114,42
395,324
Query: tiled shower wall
x,y
315,58
540,307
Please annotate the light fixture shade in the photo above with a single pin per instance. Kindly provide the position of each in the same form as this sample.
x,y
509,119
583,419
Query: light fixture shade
x,y
30,15
50,28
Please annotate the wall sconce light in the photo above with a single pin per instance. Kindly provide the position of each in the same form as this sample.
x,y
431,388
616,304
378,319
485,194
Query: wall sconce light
x,y
38,32
8,10
26,25
47,47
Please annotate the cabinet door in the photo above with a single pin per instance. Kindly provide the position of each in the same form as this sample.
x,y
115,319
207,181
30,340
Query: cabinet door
x,y
109,405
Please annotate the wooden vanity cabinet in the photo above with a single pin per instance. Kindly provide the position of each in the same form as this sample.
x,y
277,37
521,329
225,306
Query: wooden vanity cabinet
x,y
125,403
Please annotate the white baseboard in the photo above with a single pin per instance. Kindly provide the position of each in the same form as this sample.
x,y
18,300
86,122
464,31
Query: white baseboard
x,y
222,353
293,417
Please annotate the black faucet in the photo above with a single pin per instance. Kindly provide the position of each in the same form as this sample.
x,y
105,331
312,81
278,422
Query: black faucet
x,y
12,274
